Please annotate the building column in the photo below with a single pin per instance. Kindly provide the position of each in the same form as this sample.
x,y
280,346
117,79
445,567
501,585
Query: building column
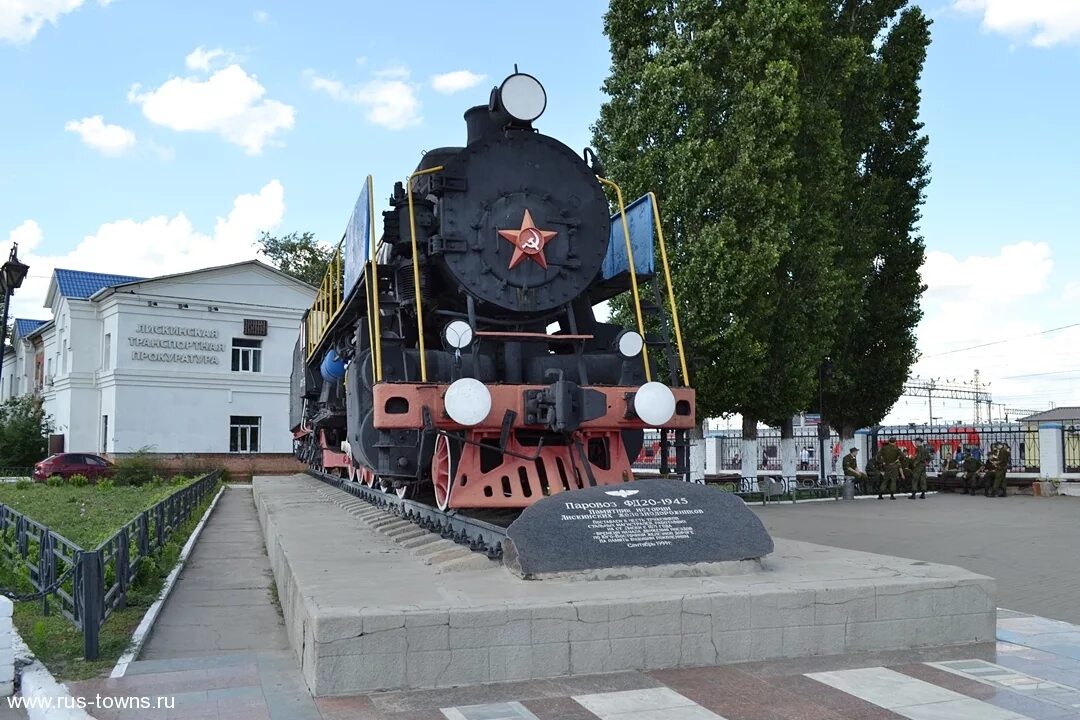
x,y
1051,450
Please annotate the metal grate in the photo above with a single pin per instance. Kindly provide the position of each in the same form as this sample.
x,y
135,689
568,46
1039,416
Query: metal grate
x,y
1071,438
255,327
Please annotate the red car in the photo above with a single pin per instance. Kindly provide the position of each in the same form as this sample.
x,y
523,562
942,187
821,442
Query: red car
x,y
67,464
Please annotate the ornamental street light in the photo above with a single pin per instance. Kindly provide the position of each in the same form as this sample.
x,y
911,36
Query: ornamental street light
x,y
12,275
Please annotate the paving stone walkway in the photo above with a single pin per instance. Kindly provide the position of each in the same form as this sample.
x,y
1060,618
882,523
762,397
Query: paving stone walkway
x,y
1031,673
222,602
219,648
220,654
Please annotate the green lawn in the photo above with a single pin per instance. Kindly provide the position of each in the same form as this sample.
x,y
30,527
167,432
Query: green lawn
x,y
85,515
88,516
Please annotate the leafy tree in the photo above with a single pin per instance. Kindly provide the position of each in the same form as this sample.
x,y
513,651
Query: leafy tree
x,y
727,110
298,254
24,431
885,151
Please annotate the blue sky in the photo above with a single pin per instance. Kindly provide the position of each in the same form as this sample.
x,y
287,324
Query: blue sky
x,y
218,120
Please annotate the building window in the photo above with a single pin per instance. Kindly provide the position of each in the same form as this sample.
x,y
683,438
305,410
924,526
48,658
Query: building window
x,y
246,355
104,433
244,433
106,360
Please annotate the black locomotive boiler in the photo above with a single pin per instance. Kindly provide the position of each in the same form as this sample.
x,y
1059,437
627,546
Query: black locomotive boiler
x,y
460,349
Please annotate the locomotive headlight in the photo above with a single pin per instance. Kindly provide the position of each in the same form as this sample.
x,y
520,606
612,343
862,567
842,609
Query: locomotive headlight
x,y
523,97
654,403
629,344
468,402
458,334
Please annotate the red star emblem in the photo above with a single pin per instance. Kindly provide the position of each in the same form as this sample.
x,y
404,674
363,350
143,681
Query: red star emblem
x,y
528,241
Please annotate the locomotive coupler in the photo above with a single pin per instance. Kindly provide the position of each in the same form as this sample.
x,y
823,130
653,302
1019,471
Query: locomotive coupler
x,y
564,405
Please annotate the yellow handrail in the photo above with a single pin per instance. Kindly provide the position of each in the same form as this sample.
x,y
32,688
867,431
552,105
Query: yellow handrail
x,y
374,324
633,274
416,270
670,291
328,302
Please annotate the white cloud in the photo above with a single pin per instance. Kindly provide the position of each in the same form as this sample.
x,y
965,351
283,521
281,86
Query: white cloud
x,y
1071,294
230,103
980,300
28,236
1018,270
455,81
202,59
390,99
107,139
1046,22
158,245
21,20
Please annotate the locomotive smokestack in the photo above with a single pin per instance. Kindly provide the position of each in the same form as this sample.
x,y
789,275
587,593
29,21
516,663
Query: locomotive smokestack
x,y
480,123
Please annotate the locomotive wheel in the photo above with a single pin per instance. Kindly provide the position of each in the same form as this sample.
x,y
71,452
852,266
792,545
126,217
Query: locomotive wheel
x,y
405,492
350,467
442,472
368,477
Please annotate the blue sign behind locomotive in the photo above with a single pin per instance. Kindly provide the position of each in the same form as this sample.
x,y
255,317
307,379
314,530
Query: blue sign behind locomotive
x,y
639,218
357,246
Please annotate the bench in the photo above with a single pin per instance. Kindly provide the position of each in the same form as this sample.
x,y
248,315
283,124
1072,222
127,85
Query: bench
x,y
952,484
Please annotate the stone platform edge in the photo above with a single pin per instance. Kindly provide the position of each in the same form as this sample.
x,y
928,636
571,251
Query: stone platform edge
x,y
361,649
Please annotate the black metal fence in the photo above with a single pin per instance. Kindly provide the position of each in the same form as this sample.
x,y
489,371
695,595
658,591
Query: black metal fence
x,y
89,585
16,472
1071,450
1021,439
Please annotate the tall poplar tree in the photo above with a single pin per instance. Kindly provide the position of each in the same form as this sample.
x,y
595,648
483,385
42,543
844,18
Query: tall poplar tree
x,y
724,109
782,138
885,151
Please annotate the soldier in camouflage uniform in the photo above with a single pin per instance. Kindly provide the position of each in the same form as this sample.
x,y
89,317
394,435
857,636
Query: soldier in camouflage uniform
x,y
986,475
891,464
1001,467
918,468
851,466
971,472
949,467
873,472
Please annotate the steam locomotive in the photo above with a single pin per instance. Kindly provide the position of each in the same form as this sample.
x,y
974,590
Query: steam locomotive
x,y
460,352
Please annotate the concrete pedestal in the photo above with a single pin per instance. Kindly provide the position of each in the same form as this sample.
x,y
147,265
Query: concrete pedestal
x,y
365,613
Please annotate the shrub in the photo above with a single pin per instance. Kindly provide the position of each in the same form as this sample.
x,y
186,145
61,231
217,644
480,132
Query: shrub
x,y
55,481
105,485
24,431
23,484
139,469
79,480
193,467
179,479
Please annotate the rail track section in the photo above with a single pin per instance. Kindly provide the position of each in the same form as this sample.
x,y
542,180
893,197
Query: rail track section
x,y
478,535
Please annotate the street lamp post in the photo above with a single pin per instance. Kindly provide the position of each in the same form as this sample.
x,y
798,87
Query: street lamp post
x,y
12,275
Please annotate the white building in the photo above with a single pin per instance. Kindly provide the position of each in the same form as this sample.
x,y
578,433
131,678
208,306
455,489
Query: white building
x,y
196,363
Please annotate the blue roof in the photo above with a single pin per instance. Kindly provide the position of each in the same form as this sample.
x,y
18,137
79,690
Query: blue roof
x,y
78,284
25,327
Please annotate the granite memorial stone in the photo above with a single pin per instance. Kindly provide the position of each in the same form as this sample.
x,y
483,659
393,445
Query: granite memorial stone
x,y
646,523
